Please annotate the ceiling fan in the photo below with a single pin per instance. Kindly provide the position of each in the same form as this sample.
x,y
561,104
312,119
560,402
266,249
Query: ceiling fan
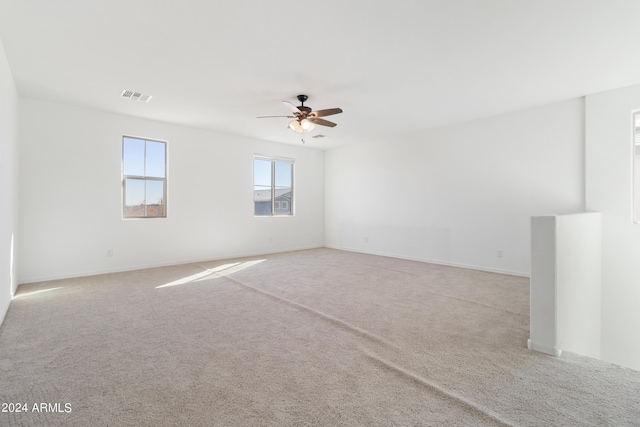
x,y
305,118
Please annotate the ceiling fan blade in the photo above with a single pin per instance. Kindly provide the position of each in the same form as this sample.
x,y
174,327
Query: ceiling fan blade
x,y
327,112
267,117
321,122
291,107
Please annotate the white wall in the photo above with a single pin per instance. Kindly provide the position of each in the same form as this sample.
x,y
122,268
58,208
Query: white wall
x,y
566,252
609,190
8,183
578,275
543,333
458,194
70,196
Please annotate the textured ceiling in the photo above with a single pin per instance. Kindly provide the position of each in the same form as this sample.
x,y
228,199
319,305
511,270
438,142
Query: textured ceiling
x,y
394,67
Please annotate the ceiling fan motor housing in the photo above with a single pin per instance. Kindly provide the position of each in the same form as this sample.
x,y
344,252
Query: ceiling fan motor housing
x,y
302,108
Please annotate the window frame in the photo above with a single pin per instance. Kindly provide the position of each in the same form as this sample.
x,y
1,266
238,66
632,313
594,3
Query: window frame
x,y
144,178
273,160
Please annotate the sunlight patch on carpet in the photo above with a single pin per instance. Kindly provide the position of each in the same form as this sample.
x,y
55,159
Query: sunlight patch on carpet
x,y
211,273
29,294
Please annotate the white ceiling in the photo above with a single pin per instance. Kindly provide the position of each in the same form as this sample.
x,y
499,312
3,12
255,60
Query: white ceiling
x,y
393,66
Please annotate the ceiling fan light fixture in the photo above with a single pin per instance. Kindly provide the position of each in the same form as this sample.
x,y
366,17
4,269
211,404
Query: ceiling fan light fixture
x,y
307,125
296,126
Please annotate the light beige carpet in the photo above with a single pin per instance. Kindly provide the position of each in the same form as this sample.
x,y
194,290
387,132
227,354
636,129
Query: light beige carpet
x,y
319,337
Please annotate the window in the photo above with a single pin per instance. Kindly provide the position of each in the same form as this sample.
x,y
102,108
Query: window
x,y
272,186
636,167
144,178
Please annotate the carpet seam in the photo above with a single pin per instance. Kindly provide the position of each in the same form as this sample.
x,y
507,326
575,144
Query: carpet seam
x,y
434,387
341,323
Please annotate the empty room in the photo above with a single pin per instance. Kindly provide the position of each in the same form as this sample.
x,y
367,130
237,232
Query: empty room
x,y
410,213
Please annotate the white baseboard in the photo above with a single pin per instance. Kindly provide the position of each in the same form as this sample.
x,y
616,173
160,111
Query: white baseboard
x,y
87,273
553,351
437,262
249,254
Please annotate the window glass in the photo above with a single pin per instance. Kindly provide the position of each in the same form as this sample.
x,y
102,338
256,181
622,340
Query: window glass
x,y
134,197
133,156
154,159
272,187
283,186
262,192
144,184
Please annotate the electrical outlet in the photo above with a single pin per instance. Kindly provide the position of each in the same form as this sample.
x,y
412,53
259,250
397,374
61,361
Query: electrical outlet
x,y
109,253
499,253
366,239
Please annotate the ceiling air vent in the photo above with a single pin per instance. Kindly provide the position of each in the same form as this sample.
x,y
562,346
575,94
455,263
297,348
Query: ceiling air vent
x,y
136,96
